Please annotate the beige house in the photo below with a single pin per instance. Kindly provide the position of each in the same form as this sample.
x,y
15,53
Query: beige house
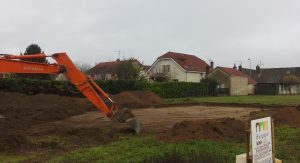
x,y
232,81
178,67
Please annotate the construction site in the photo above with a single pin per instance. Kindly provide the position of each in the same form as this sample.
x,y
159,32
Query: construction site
x,y
149,81
36,123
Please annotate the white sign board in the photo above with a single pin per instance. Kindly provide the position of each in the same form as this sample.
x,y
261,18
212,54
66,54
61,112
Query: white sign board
x,y
261,140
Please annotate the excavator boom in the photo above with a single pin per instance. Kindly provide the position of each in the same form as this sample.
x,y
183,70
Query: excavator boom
x,y
15,64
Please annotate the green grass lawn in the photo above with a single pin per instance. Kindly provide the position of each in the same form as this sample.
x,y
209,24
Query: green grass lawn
x,y
292,100
147,149
150,150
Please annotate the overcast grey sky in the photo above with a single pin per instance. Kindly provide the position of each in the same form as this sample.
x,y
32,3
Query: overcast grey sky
x,y
226,31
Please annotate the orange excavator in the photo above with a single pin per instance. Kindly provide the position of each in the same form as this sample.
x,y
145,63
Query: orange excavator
x,y
15,64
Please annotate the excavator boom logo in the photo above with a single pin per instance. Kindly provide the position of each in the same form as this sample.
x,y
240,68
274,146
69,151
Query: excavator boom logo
x,y
33,69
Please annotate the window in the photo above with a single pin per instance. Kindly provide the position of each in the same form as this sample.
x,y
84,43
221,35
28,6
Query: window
x,y
103,76
166,68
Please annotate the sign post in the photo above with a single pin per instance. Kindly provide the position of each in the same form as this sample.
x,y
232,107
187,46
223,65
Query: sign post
x,y
262,141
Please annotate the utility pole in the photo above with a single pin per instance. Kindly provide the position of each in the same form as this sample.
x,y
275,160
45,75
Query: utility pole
x,y
250,67
119,54
260,63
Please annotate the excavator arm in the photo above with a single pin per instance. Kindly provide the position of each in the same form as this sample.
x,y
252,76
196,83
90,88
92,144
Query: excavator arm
x,y
15,64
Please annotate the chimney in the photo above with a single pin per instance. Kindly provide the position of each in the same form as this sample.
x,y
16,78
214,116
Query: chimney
x,y
234,67
207,70
240,68
212,64
258,70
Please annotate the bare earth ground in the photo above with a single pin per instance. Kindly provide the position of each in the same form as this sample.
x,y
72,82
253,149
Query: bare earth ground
x,y
152,119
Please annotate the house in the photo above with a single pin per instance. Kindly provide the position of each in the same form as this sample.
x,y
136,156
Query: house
x,y
276,81
3,75
108,70
178,67
232,81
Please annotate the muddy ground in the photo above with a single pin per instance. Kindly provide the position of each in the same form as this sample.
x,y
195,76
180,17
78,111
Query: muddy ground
x,y
24,119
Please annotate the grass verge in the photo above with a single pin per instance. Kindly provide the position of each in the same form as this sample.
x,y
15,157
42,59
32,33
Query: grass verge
x,y
147,149
11,158
150,150
287,143
291,100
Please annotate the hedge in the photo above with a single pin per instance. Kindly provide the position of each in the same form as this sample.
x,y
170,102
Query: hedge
x,y
34,86
180,89
166,89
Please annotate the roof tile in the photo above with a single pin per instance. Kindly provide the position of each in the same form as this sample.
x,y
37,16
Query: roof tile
x,y
235,72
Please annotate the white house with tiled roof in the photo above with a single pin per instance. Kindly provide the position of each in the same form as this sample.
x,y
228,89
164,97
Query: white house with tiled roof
x,y
178,67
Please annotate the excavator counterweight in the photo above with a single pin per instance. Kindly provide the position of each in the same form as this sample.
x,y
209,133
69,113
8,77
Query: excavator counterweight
x,y
14,64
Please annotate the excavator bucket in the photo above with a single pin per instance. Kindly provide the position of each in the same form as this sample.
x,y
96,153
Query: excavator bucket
x,y
126,116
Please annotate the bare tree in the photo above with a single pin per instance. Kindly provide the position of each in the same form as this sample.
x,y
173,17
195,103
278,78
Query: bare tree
x,y
84,67
289,80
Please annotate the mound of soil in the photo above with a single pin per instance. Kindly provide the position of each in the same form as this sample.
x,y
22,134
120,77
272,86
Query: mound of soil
x,y
18,112
288,116
134,99
262,113
86,136
25,110
283,116
10,137
221,129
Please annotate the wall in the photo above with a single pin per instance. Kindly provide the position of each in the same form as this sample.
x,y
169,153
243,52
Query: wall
x,y
221,77
195,76
251,89
267,89
292,89
238,86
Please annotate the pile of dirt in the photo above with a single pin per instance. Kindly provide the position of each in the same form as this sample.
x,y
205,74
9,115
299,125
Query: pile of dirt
x,y
134,99
298,107
285,116
288,116
220,129
18,112
86,136
25,110
10,137
262,113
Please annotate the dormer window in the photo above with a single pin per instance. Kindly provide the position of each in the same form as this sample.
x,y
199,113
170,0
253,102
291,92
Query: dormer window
x,y
190,66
